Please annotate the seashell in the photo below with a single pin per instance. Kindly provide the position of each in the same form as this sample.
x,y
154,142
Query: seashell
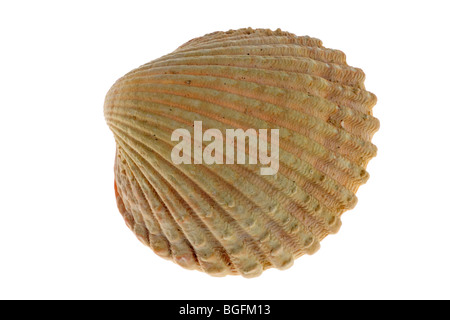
x,y
229,218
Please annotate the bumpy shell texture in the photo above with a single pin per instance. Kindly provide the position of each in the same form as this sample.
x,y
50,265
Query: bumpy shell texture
x,y
228,218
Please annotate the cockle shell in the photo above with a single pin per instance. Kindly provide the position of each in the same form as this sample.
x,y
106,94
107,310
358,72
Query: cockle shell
x,y
228,218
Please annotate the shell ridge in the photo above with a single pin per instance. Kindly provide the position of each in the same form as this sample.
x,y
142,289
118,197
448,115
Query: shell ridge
x,y
359,117
324,55
365,124
253,204
124,146
345,167
325,194
248,34
297,247
260,112
220,207
271,75
241,35
291,212
329,71
234,168
128,183
138,225
349,164
285,146
243,231
169,220
227,262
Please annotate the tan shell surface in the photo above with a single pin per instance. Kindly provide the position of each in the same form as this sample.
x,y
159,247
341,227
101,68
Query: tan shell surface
x,y
228,218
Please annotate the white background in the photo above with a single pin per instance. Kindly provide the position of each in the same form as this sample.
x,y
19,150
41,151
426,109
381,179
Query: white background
x,y
61,235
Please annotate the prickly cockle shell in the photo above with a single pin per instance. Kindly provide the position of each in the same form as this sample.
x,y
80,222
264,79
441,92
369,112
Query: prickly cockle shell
x,y
228,218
